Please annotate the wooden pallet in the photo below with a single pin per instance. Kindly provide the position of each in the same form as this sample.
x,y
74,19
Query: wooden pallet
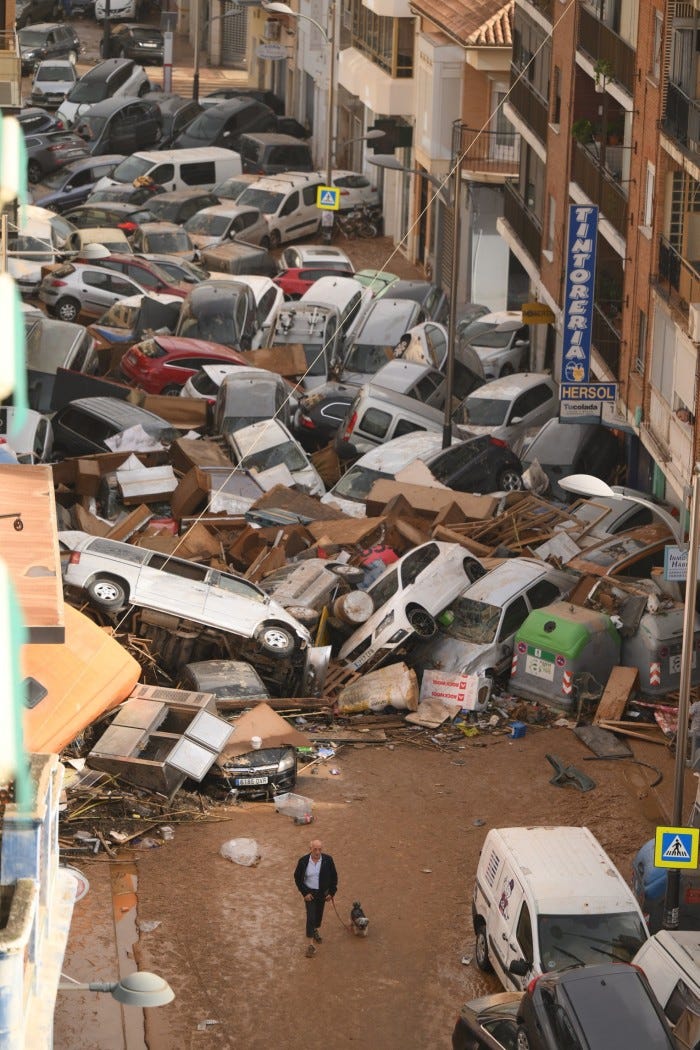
x,y
338,677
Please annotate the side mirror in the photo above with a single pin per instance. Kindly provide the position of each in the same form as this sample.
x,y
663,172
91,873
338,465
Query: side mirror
x,y
519,968
516,419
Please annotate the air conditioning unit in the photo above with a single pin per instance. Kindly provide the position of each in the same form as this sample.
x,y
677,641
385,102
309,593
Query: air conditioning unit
x,y
272,29
694,321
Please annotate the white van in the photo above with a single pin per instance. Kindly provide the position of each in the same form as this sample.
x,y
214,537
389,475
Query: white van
x,y
176,169
670,961
550,897
347,295
41,238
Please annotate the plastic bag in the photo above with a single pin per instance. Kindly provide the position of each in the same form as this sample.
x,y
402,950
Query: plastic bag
x,y
241,851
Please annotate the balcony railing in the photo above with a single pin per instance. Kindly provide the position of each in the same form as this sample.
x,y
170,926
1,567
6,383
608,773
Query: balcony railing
x,y
600,187
528,104
548,8
606,340
682,118
601,44
678,275
522,221
490,152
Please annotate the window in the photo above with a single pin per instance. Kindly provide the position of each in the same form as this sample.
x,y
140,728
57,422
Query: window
x,y
555,110
551,223
198,173
425,388
95,430
375,422
531,400
523,934
405,426
122,286
542,593
514,616
384,589
97,279
309,196
290,205
648,219
416,562
186,569
641,342
657,45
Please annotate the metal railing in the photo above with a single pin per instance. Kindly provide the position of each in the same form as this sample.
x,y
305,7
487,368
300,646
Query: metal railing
x,y
600,187
528,104
548,8
606,339
678,275
492,152
602,45
522,221
681,119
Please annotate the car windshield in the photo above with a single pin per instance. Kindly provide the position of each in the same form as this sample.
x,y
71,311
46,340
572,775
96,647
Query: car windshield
x,y
131,168
367,359
183,270
231,189
55,74
265,201
357,482
207,125
168,241
209,323
31,247
90,126
492,338
617,550
31,38
567,940
120,315
90,90
485,412
474,621
287,453
213,224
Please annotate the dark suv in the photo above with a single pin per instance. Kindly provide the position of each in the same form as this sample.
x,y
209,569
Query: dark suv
x,y
28,12
223,124
47,40
269,152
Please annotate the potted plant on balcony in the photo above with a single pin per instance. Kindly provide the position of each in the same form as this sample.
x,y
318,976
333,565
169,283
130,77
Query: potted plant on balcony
x,y
582,130
603,72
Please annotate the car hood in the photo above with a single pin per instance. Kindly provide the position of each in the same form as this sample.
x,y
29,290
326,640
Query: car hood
x,y
454,656
349,507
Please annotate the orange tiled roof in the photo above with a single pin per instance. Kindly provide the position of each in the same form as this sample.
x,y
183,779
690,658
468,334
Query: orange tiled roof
x,y
478,23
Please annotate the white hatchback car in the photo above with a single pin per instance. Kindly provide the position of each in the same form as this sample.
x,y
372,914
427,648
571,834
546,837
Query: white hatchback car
x,y
407,597
114,575
268,444
501,341
507,408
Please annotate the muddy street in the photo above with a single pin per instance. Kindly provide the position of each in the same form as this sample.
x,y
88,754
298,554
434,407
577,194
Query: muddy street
x,y
404,823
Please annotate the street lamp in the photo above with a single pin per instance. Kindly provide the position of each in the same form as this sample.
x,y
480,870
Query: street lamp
x,y
136,989
274,7
236,10
588,485
393,164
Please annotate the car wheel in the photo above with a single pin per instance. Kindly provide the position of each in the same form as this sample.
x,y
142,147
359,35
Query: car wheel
x,y
107,594
305,615
507,370
73,57
275,239
509,480
351,573
67,309
33,171
522,1039
276,640
265,243
173,390
421,621
482,950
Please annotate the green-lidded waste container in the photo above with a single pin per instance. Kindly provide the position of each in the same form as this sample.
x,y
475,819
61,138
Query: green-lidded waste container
x,y
557,643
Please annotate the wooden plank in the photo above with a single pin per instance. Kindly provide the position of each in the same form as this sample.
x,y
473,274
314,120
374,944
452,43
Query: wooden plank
x,y
621,684
348,736
638,732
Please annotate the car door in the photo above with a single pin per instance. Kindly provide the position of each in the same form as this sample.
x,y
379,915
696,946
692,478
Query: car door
x,y
533,407
173,586
514,616
504,922
417,571
464,467
233,604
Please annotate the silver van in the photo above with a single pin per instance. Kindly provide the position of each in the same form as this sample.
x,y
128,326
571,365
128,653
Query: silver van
x,y
248,395
350,298
372,341
377,415
176,169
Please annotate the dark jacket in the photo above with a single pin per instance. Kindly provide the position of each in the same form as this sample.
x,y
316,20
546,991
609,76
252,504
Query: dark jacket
x,y
327,876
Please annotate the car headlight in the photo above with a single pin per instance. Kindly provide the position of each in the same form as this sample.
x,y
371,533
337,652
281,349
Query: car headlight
x,y
388,619
396,637
286,762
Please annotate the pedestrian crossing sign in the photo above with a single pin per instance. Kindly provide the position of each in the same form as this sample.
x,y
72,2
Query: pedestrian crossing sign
x,y
328,197
676,847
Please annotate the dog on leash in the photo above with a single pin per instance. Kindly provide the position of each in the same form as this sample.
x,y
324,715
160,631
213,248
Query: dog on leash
x,y
358,920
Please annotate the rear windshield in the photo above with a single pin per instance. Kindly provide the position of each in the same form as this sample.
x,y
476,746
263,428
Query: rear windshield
x,y
206,126
485,412
356,483
55,74
214,224
287,453
168,241
89,91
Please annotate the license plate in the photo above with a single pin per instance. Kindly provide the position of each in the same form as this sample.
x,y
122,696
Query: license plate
x,y
540,668
674,663
244,782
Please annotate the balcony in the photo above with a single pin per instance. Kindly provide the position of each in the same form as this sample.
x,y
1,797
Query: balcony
x,y
530,106
600,44
10,70
492,154
678,278
548,8
524,224
681,121
606,339
600,185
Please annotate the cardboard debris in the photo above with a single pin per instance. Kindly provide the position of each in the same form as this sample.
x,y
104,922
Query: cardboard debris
x,y
262,721
139,484
184,413
305,508
186,453
288,360
428,500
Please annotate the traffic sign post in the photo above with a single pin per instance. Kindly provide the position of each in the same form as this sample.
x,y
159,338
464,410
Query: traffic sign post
x,y
676,848
328,198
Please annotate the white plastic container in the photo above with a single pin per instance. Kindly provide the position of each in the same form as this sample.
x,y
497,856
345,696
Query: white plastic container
x,y
296,806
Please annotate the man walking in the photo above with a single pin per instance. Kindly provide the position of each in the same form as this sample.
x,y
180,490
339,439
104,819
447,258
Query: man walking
x,y
317,881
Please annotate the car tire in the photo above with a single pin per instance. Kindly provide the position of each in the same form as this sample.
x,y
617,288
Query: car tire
x,y
172,390
522,1039
33,172
107,594
67,309
275,239
73,57
482,950
265,243
276,640
422,622
506,370
350,573
509,480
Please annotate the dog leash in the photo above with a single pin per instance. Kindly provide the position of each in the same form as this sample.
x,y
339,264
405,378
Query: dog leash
x,y
347,928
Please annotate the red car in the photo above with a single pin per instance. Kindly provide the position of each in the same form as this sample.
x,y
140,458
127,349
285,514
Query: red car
x,y
164,363
146,273
296,281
